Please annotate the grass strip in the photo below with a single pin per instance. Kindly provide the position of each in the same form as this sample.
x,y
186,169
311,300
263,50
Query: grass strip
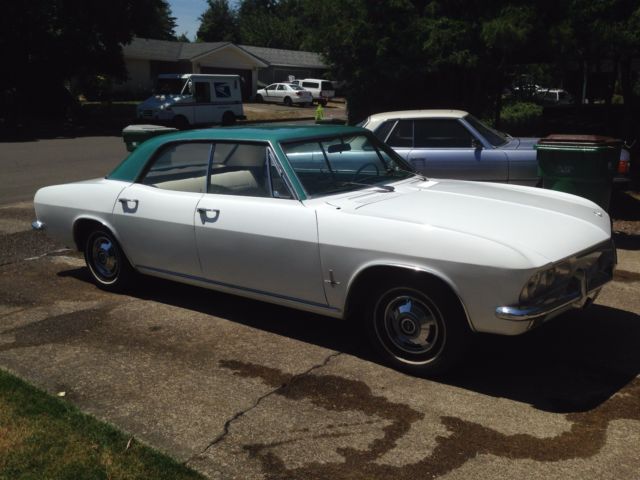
x,y
43,437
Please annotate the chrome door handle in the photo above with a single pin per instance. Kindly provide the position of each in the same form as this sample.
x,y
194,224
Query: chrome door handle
x,y
205,210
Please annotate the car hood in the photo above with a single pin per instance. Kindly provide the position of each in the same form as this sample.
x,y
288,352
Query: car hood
x,y
534,221
520,143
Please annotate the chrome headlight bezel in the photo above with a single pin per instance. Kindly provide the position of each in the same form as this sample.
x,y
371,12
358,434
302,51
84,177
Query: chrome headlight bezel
x,y
544,283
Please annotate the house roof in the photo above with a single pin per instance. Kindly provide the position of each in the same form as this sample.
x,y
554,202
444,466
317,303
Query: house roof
x,y
288,58
168,51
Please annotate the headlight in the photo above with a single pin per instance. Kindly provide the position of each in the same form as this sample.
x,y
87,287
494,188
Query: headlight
x,y
546,281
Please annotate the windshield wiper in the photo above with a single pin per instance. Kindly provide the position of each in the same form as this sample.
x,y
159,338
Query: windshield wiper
x,y
387,188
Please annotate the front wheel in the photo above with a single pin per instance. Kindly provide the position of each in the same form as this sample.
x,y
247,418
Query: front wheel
x,y
418,327
107,263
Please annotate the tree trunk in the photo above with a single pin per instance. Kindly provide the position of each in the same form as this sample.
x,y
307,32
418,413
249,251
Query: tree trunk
x,y
627,93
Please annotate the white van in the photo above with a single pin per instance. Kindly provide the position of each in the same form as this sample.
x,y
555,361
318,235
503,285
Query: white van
x,y
188,99
321,90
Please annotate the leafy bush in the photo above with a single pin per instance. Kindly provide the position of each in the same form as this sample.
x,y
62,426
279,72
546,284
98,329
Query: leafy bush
x,y
521,118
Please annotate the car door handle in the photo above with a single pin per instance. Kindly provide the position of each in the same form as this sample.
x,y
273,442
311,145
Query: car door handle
x,y
126,202
204,211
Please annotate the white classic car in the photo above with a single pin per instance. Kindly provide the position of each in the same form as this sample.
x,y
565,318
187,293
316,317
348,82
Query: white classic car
x,y
328,219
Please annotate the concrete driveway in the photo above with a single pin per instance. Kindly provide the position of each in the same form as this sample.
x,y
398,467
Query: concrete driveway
x,y
242,389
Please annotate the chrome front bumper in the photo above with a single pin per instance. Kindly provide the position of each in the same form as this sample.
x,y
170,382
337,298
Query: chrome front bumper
x,y
594,269
38,225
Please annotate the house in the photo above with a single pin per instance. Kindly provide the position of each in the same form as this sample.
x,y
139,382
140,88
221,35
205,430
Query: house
x,y
146,58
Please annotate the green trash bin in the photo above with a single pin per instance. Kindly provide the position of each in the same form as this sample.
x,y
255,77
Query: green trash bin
x,y
583,165
134,135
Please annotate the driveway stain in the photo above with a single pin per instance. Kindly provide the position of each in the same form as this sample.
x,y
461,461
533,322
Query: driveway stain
x,y
60,329
466,440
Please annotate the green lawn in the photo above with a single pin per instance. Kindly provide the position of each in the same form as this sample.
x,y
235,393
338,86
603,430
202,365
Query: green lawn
x,y
42,437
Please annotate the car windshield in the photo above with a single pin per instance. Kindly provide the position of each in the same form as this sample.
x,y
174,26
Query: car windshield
x,y
494,137
169,86
344,163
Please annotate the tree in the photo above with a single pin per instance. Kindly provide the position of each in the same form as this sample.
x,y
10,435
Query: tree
x,y
158,22
271,23
218,23
49,42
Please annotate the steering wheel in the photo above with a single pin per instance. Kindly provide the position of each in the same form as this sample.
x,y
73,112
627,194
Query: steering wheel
x,y
355,175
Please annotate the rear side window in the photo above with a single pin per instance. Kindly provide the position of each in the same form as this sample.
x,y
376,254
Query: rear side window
x,y
310,84
180,167
402,134
441,133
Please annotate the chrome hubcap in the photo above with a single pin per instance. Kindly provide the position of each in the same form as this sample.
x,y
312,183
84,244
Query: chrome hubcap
x,y
103,257
411,325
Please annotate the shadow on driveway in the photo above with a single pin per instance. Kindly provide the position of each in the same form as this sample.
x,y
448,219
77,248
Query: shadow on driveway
x,y
572,364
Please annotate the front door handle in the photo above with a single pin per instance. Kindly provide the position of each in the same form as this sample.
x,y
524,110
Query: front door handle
x,y
204,211
208,214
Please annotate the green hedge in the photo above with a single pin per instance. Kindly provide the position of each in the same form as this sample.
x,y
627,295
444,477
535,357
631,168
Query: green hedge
x,y
521,118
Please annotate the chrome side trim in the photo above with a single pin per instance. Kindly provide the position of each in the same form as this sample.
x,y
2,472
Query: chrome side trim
x,y
38,225
240,289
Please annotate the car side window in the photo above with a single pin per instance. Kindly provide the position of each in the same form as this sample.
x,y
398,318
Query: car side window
x,y
383,130
402,134
244,169
310,84
281,87
441,133
180,167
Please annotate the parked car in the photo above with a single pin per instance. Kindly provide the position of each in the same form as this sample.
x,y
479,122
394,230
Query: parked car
x,y
553,96
455,144
322,90
182,100
284,93
328,219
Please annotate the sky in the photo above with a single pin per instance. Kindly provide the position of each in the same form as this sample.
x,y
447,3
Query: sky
x,y
187,13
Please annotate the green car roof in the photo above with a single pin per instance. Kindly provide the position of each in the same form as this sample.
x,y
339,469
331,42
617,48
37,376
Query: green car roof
x,y
131,167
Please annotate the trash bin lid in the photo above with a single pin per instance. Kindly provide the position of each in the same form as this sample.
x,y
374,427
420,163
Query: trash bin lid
x,y
581,140
147,128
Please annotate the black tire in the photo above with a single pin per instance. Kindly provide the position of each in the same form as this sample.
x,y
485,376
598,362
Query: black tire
x,y
228,119
287,101
107,264
417,325
259,98
180,122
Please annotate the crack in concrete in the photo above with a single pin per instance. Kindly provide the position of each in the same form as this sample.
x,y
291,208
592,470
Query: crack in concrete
x,y
282,387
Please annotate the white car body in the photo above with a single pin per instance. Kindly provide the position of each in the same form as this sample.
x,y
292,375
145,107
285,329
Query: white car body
x,y
285,93
322,90
484,241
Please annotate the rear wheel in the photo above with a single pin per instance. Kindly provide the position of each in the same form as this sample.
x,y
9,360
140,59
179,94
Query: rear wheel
x,y
287,101
107,264
417,326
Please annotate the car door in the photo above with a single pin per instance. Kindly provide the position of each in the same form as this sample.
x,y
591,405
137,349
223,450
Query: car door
x,y
154,217
251,233
281,92
270,93
446,148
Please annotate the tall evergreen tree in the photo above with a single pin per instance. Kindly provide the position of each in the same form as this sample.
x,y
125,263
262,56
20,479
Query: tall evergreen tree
x,y
218,23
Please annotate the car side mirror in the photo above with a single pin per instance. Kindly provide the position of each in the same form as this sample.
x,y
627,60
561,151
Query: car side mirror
x,y
475,143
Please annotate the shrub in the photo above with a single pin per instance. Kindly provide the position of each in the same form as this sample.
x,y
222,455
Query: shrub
x,y
521,118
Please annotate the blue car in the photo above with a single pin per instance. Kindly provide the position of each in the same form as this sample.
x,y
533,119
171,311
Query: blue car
x,y
455,144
